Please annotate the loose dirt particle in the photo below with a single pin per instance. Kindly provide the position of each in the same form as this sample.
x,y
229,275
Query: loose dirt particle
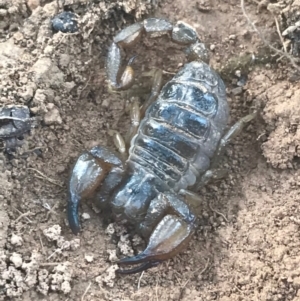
x,y
16,240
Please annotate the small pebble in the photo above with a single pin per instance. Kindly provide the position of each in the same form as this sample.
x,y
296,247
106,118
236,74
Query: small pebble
x,y
242,81
75,244
237,91
3,12
52,117
238,73
33,4
89,258
65,22
105,103
16,240
16,259
86,216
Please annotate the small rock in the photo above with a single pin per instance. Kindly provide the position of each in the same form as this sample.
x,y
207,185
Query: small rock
x,y
69,86
125,246
3,12
112,255
232,37
75,244
16,259
66,287
63,244
39,100
296,282
10,53
237,91
28,93
212,47
18,36
53,233
105,103
85,216
109,276
238,73
64,60
89,258
43,286
242,80
3,24
110,230
47,73
16,240
65,22
33,4
61,277
34,110
48,49
50,9
52,117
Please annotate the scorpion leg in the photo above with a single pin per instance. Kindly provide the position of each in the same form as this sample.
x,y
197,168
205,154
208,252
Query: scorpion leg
x,y
156,87
173,223
185,34
135,118
211,174
120,144
137,113
89,171
215,173
113,66
234,131
123,144
192,199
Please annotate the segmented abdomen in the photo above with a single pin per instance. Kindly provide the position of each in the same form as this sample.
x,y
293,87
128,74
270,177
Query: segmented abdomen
x,y
181,130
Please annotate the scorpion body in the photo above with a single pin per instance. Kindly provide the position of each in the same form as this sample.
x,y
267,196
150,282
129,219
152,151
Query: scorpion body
x,y
176,139
176,146
181,130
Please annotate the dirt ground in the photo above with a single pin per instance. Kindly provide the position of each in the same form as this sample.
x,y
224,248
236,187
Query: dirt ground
x,y
247,246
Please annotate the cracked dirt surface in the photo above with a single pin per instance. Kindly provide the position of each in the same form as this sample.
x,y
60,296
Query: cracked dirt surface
x,y
247,246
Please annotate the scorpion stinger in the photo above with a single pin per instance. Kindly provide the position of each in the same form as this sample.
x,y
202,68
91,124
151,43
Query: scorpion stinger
x,y
169,237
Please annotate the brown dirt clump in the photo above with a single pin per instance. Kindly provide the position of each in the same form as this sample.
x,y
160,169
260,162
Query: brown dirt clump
x,y
247,246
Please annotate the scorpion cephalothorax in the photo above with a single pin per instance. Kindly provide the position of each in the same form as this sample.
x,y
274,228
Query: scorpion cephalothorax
x,y
177,145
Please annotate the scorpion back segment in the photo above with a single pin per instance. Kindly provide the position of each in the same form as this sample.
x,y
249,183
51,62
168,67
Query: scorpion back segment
x,y
177,141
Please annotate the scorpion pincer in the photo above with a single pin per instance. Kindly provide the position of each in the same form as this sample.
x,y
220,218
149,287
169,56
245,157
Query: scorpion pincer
x,y
177,145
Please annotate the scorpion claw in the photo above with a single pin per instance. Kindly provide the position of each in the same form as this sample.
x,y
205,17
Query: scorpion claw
x,y
72,210
169,237
87,174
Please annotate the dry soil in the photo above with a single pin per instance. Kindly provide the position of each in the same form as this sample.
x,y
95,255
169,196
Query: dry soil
x,y
247,246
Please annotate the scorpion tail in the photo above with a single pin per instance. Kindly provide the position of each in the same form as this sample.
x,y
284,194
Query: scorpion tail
x,y
170,236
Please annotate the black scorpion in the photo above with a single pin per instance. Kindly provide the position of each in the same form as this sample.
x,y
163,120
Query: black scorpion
x,y
176,146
